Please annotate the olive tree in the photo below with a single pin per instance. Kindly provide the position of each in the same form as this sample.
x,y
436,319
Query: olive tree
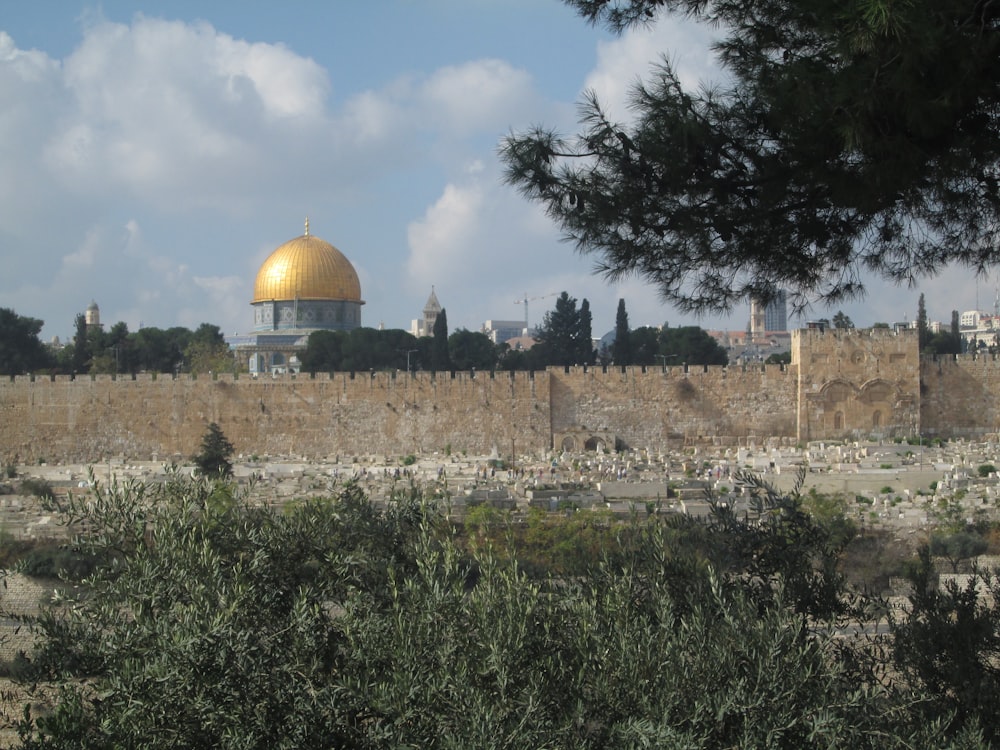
x,y
215,623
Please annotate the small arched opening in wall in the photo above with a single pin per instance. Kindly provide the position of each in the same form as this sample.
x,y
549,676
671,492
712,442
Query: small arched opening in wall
x,y
837,391
569,444
836,397
594,444
877,391
877,397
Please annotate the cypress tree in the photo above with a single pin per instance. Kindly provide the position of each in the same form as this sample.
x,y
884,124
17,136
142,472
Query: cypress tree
x,y
440,360
621,351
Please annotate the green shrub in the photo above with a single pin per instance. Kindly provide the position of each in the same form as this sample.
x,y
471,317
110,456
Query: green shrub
x,y
213,460
18,668
53,560
986,469
40,488
409,460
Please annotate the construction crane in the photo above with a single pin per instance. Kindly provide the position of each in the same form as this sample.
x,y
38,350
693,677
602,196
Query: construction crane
x,y
528,299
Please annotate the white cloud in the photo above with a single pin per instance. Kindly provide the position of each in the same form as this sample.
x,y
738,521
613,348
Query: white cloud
x,y
85,256
440,243
624,61
475,97
175,111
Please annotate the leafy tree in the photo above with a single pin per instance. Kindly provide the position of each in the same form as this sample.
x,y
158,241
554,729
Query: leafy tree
x,y
160,350
213,460
621,351
332,623
21,350
564,338
81,347
865,136
207,350
361,350
691,345
840,320
440,360
956,547
923,331
947,649
780,358
517,359
943,342
472,349
323,352
956,332
645,345
584,344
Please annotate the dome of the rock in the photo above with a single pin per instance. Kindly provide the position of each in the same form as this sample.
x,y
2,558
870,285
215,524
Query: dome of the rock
x,y
306,284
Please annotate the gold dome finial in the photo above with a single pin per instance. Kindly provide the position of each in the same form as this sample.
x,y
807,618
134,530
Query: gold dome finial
x,y
307,227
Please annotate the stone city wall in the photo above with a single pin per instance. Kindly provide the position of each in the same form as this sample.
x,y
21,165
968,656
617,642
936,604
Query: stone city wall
x,y
960,396
327,415
662,407
91,418
840,385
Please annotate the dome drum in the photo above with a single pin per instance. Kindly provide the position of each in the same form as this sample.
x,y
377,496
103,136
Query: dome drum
x,y
287,315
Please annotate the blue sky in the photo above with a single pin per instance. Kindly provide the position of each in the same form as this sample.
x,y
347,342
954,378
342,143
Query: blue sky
x,y
153,154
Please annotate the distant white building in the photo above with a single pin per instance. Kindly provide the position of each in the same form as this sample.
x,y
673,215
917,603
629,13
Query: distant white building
x,y
970,319
500,331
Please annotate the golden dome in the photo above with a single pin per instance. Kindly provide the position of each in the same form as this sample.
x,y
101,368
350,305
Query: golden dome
x,y
307,268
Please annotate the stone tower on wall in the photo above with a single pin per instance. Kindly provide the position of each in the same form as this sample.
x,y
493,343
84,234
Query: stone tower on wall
x,y
856,384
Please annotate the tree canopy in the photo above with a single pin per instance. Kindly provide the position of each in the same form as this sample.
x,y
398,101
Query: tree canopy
x,y
21,350
691,345
440,359
621,350
472,349
843,142
564,338
216,450
363,349
212,622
